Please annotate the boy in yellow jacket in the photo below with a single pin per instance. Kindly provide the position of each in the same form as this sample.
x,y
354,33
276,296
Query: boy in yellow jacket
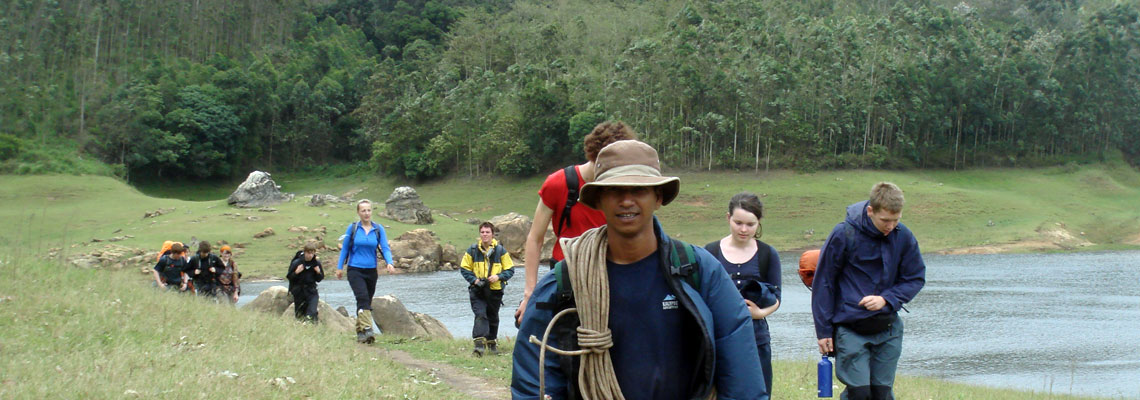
x,y
486,266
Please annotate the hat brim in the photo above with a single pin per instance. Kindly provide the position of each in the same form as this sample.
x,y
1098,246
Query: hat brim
x,y
670,186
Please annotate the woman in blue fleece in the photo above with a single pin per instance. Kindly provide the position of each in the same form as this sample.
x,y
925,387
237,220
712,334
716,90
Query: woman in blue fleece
x,y
360,243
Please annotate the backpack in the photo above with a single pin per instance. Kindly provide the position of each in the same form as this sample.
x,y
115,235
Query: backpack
x,y
571,199
165,249
809,260
352,241
682,264
171,272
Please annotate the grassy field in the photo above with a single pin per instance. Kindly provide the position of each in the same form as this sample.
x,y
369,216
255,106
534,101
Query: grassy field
x,y
1091,208
72,332
81,333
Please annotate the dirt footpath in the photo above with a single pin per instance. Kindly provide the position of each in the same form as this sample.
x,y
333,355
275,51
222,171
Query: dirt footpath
x,y
474,387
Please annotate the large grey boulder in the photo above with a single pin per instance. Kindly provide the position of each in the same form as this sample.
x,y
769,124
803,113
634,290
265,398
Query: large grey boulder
x,y
404,205
393,318
318,200
326,315
274,300
258,190
512,231
434,328
418,250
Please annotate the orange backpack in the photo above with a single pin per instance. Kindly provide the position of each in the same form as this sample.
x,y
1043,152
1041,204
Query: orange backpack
x,y
808,262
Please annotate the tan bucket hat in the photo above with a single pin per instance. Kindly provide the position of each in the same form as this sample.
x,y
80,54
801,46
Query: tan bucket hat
x,y
628,163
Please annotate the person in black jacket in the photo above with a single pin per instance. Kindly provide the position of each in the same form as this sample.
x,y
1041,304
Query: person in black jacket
x,y
204,268
304,273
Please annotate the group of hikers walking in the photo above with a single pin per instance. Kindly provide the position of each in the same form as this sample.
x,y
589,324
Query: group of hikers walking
x,y
203,272
627,311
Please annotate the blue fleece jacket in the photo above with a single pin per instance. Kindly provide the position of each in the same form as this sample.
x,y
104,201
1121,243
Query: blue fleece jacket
x,y
728,347
890,266
363,250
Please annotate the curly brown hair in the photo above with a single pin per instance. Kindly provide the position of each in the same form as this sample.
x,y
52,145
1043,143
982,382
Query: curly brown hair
x,y
604,134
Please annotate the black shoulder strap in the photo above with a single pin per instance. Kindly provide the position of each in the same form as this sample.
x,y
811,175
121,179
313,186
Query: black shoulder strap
x,y
683,263
571,199
763,252
351,241
564,295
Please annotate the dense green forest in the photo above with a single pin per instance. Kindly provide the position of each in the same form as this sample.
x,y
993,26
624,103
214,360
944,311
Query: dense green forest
x,y
420,89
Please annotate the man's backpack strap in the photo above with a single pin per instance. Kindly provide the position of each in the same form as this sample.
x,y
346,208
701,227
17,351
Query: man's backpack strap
x,y
683,263
571,199
564,296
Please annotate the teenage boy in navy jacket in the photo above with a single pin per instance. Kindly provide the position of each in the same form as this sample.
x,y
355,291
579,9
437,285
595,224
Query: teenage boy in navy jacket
x,y
868,268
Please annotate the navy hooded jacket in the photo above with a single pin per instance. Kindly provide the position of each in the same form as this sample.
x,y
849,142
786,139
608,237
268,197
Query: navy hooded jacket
x,y
888,266
728,342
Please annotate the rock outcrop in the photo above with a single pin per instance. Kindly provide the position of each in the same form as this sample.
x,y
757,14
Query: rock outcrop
x,y
513,229
418,250
319,200
258,190
404,205
326,315
394,319
274,300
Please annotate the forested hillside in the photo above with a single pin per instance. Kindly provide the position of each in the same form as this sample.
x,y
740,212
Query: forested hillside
x,y
208,88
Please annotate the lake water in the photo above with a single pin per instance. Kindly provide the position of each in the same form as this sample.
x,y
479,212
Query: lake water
x,y
1060,323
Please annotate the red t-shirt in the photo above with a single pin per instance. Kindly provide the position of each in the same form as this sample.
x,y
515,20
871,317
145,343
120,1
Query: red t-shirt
x,y
582,218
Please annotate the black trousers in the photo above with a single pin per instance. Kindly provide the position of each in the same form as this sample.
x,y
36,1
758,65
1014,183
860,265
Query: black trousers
x,y
305,302
363,284
206,288
485,304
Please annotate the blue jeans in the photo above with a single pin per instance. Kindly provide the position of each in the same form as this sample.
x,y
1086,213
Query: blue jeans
x,y
766,364
867,363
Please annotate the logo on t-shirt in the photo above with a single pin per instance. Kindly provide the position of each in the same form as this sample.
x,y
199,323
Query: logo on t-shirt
x,y
669,303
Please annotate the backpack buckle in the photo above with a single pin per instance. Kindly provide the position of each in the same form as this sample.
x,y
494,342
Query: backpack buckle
x,y
684,270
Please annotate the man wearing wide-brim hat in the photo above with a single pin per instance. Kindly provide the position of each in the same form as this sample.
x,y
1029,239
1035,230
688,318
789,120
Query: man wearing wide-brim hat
x,y
657,318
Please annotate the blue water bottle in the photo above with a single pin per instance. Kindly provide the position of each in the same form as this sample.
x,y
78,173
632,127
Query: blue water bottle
x,y
824,380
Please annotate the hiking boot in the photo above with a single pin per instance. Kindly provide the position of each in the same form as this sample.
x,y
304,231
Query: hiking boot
x,y
492,348
479,349
364,327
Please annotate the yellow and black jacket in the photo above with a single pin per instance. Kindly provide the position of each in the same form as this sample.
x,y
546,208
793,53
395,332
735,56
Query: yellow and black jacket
x,y
476,259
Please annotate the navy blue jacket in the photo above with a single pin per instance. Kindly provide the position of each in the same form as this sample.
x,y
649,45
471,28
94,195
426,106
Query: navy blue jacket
x,y
728,339
889,266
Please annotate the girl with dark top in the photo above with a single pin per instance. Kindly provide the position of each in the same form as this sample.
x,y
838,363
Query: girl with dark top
x,y
360,243
751,264
304,273
228,279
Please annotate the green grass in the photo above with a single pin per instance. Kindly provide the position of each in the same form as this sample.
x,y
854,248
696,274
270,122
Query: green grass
x,y
945,209
79,333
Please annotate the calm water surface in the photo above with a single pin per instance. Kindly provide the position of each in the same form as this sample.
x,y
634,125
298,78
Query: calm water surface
x,y
1060,323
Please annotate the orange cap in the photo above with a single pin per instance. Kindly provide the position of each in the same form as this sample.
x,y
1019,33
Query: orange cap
x,y
225,249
